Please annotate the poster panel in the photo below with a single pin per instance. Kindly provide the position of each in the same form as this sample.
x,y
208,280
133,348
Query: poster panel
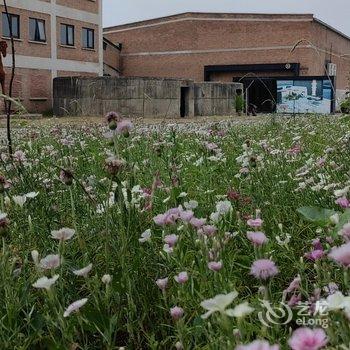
x,y
304,96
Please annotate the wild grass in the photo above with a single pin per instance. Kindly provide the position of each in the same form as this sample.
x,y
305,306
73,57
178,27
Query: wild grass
x,y
109,190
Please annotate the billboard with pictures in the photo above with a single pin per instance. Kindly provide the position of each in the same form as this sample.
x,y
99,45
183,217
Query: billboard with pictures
x,y
304,96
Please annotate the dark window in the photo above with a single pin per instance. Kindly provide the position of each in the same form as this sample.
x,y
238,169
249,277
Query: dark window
x,y
67,34
37,30
88,38
13,21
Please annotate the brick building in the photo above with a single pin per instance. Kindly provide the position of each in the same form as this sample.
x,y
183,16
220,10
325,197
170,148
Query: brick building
x,y
52,38
256,49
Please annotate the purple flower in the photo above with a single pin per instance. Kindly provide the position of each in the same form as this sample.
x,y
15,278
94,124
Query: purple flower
x,y
162,283
343,202
186,215
345,232
182,277
176,312
263,269
208,230
197,223
315,255
215,266
171,240
160,219
124,127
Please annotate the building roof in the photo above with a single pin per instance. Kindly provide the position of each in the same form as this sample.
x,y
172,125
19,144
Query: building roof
x,y
222,16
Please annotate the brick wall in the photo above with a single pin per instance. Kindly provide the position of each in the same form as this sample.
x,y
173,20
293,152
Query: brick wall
x,y
37,63
180,46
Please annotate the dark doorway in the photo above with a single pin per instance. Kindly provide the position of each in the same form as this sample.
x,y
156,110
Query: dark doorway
x,y
185,102
261,92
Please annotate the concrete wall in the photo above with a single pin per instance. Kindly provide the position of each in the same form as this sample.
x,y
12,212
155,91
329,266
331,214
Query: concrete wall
x,y
215,98
140,97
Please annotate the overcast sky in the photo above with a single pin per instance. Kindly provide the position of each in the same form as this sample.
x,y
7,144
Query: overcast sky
x,y
334,12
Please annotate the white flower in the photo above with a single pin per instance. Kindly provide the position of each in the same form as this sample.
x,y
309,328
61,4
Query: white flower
x,y
285,241
45,283
335,301
31,194
167,248
214,217
63,234
19,200
166,200
190,205
84,271
240,310
3,216
106,279
335,219
74,307
182,195
145,236
35,256
342,193
223,207
218,304
51,261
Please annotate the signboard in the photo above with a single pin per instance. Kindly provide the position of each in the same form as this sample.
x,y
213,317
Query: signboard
x,y
304,96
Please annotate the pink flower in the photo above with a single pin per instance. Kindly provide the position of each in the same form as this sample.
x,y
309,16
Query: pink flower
x,y
171,240
215,266
296,149
258,345
263,269
257,238
197,223
162,283
341,254
343,202
308,339
345,231
255,222
176,312
182,277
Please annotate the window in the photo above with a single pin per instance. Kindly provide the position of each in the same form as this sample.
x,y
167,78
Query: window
x,y
88,38
10,21
37,30
67,34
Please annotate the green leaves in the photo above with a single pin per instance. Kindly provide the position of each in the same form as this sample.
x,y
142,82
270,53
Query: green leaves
x,y
320,216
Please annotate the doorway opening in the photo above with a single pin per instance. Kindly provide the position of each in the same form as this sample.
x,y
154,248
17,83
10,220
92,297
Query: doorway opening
x,y
261,93
185,102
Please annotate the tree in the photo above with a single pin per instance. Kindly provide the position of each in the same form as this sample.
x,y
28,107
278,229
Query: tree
x,y
8,100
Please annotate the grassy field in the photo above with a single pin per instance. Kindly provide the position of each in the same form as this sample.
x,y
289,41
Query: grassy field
x,y
210,235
